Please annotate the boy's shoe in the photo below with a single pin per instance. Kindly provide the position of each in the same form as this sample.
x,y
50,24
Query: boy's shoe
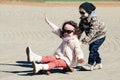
x,y
98,66
88,67
32,56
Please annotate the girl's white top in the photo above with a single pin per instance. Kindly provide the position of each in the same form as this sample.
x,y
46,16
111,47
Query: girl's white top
x,y
69,50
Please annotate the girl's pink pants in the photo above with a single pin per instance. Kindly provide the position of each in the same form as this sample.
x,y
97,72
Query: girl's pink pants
x,y
54,62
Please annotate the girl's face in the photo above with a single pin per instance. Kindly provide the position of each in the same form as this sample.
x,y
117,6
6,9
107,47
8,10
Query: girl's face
x,y
68,30
83,13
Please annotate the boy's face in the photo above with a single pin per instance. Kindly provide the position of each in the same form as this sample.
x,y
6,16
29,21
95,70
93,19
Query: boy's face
x,y
83,13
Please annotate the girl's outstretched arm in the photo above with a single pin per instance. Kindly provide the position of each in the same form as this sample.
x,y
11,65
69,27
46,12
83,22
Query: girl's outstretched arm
x,y
55,28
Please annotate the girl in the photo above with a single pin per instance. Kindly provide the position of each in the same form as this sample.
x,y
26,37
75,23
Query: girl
x,y
68,54
95,34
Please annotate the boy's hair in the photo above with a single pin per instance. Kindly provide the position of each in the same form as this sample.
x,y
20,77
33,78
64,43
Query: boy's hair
x,y
74,24
88,7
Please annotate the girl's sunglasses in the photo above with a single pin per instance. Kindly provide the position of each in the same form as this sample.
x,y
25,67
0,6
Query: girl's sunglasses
x,y
67,31
81,12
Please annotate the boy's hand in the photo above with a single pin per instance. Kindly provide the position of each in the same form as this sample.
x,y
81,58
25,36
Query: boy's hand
x,y
84,41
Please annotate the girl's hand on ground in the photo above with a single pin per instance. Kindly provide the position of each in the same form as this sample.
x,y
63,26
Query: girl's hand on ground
x,y
81,61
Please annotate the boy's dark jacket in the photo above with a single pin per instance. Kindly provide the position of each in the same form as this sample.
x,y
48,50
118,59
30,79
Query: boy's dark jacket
x,y
94,29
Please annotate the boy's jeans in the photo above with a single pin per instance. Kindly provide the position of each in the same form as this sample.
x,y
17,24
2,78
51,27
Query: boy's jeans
x,y
94,55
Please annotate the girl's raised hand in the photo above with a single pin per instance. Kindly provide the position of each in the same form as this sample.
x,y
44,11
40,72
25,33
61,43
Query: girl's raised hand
x,y
46,19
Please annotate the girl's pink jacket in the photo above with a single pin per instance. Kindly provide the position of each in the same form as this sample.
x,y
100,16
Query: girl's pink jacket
x,y
69,50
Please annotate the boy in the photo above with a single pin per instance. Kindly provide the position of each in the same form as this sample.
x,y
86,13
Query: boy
x,y
95,34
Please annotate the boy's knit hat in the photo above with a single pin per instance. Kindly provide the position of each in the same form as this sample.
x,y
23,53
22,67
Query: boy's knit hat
x,y
88,7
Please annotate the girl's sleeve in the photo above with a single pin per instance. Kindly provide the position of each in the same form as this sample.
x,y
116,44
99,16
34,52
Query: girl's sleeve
x,y
78,51
55,29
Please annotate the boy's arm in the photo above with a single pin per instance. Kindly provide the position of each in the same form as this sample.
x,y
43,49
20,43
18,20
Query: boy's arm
x,y
81,27
92,31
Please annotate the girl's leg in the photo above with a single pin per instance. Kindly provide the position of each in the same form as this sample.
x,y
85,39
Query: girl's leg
x,y
31,56
58,63
54,64
46,59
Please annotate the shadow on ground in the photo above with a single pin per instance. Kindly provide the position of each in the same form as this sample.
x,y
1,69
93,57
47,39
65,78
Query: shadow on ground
x,y
26,64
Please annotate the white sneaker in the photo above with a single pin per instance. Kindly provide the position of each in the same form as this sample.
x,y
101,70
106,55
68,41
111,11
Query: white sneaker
x,y
36,67
98,66
32,56
88,67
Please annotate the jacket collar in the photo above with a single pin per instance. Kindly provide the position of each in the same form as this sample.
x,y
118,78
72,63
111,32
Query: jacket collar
x,y
91,15
69,38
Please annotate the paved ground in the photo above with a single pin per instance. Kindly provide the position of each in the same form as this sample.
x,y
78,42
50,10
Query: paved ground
x,y
22,26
